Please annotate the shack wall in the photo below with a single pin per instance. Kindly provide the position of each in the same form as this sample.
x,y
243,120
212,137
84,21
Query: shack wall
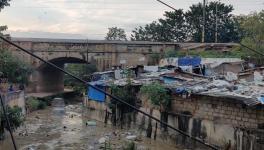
x,y
220,121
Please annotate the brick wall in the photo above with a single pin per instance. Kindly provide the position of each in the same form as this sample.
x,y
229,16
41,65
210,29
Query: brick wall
x,y
220,110
220,121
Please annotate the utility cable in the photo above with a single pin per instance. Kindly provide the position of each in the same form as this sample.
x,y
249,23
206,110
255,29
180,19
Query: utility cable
x,y
106,93
8,123
166,4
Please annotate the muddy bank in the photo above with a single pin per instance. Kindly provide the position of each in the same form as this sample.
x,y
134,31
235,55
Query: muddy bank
x,y
60,127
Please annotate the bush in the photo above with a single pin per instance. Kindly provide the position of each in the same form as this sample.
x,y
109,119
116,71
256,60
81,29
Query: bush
x,y
14,115
42,104
34,104
130,146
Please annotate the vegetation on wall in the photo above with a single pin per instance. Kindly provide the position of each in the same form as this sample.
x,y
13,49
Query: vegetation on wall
x,y
235,52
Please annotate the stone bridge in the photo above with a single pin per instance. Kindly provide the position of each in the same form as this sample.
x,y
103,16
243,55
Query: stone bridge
x,y
104,54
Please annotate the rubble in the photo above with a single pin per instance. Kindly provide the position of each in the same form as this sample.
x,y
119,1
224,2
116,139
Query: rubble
x,y
131,137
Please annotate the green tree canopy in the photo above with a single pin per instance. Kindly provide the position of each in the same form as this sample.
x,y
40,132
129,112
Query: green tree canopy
x,y
178,26
253,27
172,28
227,27
115,33
13,69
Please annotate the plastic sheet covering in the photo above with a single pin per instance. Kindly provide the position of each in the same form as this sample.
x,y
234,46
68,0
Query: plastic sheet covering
x,y
189,61
96,95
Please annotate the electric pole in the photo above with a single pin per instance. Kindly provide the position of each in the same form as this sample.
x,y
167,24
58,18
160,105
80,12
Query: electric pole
x,y
216,21
203,32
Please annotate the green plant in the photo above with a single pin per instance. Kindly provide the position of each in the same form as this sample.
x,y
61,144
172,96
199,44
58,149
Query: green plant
x,y
33,103
15,117
235,52
130,145
42,104
12,68
157,94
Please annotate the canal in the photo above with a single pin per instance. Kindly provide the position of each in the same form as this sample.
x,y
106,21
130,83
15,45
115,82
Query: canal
x,y
64,127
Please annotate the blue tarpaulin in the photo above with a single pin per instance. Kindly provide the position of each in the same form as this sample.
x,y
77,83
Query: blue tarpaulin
x,y
189,61
261,99
96,95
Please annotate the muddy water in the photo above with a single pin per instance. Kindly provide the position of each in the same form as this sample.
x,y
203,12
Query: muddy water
x,y
64,128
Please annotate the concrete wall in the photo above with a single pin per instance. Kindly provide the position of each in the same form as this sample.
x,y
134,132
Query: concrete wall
x,y
16,98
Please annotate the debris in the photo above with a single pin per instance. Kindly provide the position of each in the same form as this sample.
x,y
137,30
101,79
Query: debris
x,y
90,123
258,77
198,89
102,140
230,76
131,137
219,84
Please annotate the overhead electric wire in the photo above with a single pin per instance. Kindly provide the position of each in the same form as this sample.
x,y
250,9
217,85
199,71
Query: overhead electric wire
x,y
106,93
8,122
241,44
166,4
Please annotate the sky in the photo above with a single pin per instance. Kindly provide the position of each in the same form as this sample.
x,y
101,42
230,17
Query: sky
x,y
90,19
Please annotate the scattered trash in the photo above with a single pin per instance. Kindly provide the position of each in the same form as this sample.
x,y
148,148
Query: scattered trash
x,y
131,137
258,77
230,76
219,84
103,140
90,123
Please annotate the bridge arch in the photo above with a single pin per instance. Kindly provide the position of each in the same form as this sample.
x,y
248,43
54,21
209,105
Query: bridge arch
x,y
48,79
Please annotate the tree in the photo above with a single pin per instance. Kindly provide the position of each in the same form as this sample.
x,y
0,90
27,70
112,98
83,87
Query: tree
x,y
12,68
172,28
253,26
178,26
227,28
115,33
4,3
